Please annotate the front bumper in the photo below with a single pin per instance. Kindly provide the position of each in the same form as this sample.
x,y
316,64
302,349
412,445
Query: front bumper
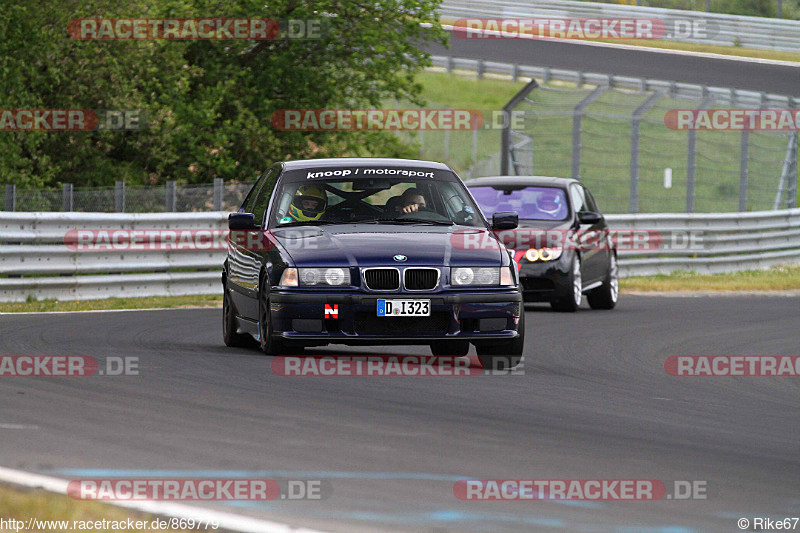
x,y
545,281
474,316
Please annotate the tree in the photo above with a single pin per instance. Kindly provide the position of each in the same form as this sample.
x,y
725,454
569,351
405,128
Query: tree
x,y
208,103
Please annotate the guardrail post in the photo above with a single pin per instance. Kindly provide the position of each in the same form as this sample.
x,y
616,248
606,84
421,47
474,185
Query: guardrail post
x,y
66,197
744,168
171,199
450,64
515,72
481,68
119,196
505,134
218,189
11,197
633,202
577,118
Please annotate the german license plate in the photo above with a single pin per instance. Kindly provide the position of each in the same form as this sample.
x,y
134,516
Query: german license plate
x,y
404,308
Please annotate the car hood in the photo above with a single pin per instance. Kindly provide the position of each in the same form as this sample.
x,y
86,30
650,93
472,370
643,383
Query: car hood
x,y
367,245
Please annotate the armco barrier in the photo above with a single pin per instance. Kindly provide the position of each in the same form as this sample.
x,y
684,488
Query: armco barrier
x,y
35,262
748,32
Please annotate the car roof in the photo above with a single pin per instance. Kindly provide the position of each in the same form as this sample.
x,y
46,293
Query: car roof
x,y
530,181
363,162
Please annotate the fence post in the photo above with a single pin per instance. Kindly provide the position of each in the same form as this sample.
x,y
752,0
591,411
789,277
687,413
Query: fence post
x,y
744,168
66,197
218,188
119,196
171,197
691,158
11,197
505,134
577,118
791,200
633,202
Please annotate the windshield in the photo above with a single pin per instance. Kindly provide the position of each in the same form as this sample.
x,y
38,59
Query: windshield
x,y
374,200
532,203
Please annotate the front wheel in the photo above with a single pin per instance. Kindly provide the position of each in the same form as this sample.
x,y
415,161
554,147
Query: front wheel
x,y
571,301
504,355
605,296
269,344
229,334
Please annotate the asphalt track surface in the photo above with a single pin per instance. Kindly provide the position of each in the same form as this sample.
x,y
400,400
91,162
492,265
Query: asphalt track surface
x,y
641,63
594,402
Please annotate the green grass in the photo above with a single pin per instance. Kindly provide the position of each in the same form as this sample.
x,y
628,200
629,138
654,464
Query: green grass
x,y
170,302
779,278
24,504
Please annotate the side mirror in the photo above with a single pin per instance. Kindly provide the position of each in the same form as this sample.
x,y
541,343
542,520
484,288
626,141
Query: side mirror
x,y
505,220
242,221
589,217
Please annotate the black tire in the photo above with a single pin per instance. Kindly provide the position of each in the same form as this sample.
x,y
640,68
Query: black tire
x,y
504,355
269,344
229,334
606,295
454,348
570,302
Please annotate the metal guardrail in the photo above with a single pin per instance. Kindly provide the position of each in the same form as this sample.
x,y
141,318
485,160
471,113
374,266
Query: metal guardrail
x,y
36,263
729,30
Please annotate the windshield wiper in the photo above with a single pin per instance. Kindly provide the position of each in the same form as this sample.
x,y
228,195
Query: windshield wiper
x,y
411,221
310,223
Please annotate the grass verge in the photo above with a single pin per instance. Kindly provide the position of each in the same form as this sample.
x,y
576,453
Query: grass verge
x,y
778,278
171,302
24,504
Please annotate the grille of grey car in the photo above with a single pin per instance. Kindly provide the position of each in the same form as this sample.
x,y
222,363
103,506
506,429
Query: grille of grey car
x,y
421,279
382,279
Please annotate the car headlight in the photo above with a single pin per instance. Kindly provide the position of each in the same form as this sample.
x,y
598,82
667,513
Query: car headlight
x,y
334,277
466,276
543,254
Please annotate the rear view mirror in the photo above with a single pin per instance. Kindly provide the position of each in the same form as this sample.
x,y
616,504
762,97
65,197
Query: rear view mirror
x,y
242,221
589,217
505,220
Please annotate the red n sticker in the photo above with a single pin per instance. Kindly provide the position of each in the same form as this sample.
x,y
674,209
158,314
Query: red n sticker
x,y
332,311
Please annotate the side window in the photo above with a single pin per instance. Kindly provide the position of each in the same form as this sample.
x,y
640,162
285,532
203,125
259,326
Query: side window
x,y
247,205
576,195
591,205
261,200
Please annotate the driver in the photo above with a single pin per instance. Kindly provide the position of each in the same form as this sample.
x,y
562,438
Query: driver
x,y
550,203
412,200
309,203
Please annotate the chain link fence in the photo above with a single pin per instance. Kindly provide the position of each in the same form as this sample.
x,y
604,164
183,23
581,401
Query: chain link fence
x,y
217,196
616,140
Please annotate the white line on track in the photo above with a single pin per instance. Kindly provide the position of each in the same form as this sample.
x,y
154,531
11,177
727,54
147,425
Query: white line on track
x,y
688,53
106,311
227,521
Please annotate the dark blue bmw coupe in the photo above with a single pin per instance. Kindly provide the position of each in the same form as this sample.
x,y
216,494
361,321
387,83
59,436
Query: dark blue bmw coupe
x,y
370,252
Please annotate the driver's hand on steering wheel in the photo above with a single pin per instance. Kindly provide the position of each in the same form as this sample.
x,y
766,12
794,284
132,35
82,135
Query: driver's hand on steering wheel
x,y
410,208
